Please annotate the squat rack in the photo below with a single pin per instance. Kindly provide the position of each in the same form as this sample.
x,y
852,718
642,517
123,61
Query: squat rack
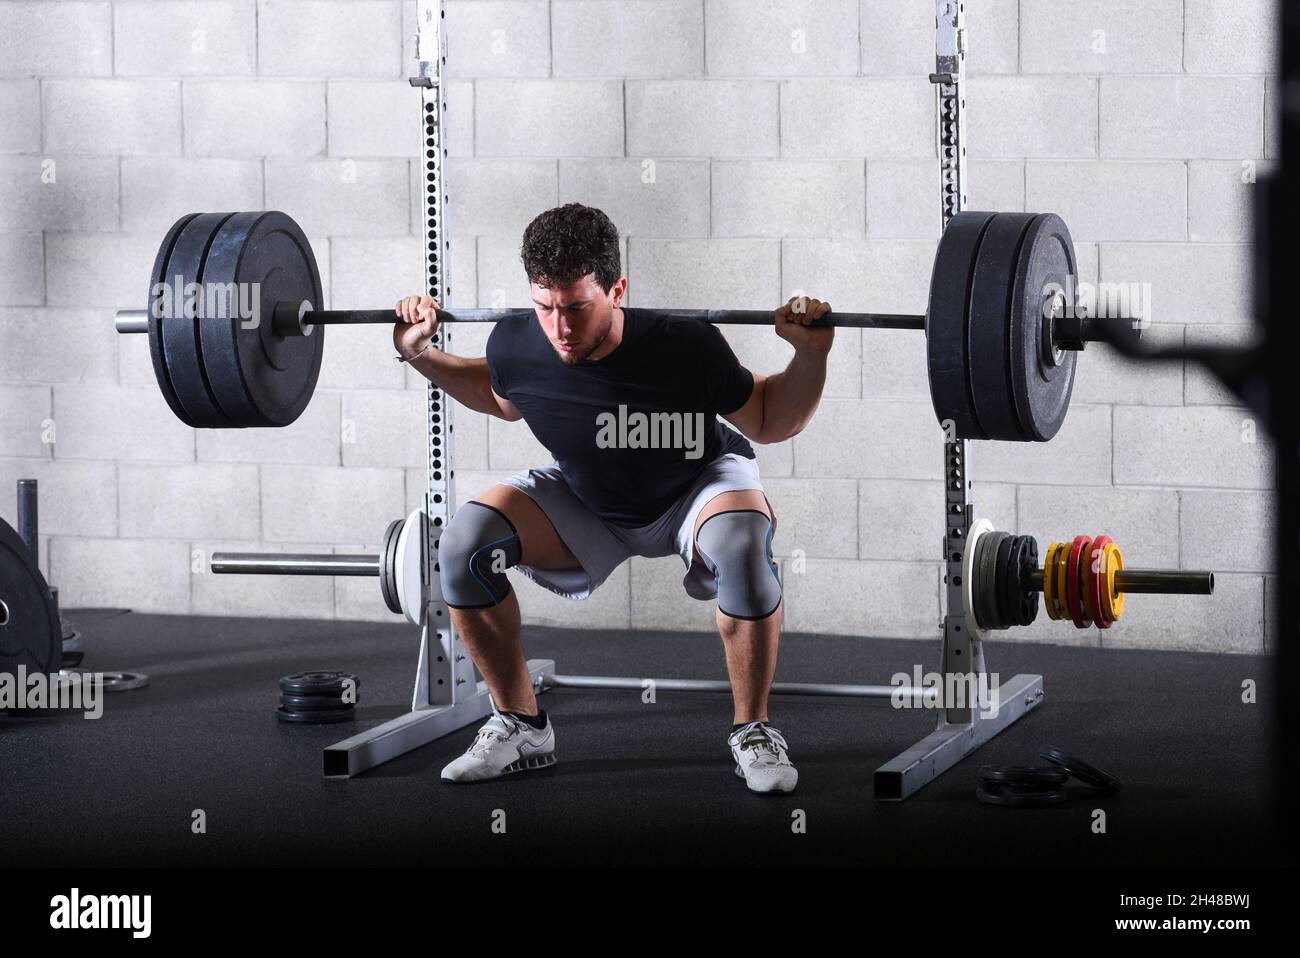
x,y
448,694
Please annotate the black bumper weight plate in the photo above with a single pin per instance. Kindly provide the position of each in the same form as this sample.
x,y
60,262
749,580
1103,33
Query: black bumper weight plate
x,y
316,683
30,632
991,326
158,309
1042,390
976,592
1003,592
1033,776
388,567
1028,607
1009,796
259,378
985,586
317,716
979,594
946,323
181,346
1008,569
314,703
1018,604
1088,774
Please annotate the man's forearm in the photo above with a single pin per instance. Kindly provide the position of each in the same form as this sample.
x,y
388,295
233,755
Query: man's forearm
x,y
791,396
465,380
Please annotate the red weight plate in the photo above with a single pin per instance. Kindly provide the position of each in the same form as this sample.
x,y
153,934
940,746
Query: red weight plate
x,y
1074,581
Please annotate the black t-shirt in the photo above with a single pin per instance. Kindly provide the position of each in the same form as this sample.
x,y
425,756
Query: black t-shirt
x,y
633,430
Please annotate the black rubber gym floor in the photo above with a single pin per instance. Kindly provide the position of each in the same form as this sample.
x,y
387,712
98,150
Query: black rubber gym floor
x,y
635,784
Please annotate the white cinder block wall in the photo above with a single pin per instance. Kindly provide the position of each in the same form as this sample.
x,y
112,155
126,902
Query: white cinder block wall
x,y
748,150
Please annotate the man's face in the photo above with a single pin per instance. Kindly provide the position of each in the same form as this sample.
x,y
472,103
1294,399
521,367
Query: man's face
x,y
577,318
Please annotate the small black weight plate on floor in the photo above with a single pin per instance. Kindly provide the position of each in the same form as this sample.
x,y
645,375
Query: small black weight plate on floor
x,y
305,703
182,349
159,307
1088,774
1033,775
388,567
1011,797
259,377
30,632
1042,377
989,329
124,681
317,716
946,323
1003,597
316,683
72,642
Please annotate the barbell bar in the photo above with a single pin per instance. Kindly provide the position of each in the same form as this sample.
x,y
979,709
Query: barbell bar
x,y
292,319
1001,334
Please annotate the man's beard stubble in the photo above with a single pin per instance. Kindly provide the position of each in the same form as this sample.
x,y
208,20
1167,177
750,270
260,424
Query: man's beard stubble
x,y
573,359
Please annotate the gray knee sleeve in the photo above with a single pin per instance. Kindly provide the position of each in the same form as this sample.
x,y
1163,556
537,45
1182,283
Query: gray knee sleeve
x,y
737,548
475,549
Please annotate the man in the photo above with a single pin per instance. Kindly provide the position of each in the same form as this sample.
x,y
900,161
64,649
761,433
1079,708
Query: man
x,y
626,400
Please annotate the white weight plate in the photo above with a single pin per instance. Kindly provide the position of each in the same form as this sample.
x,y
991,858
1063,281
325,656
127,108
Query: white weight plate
x,y
412,567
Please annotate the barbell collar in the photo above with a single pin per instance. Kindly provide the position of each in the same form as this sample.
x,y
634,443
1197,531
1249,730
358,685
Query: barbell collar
x,y
279,563
290,319
1076,331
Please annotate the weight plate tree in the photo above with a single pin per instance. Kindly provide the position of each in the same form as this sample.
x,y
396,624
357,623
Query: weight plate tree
x,y
31,634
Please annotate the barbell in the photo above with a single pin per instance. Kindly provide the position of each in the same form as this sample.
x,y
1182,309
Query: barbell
x,y
236,339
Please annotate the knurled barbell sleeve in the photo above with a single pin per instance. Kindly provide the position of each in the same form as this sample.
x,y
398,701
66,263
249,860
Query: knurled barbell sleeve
x,y
1148,581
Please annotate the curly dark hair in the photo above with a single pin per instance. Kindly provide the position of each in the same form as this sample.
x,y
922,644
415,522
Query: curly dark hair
x,y
564,244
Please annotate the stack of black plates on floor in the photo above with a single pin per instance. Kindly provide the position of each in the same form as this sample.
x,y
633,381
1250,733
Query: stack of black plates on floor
x,y
1035,786
316,698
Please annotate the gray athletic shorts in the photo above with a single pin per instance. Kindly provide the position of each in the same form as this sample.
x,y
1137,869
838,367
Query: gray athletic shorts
x,y
600,546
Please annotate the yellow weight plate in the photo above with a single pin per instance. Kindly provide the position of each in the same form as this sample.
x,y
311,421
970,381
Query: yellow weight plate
x,y
1047,580
1049,592
1111,597
1058,588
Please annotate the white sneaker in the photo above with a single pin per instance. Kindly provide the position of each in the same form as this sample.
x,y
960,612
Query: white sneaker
x,y
759,751
504,744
